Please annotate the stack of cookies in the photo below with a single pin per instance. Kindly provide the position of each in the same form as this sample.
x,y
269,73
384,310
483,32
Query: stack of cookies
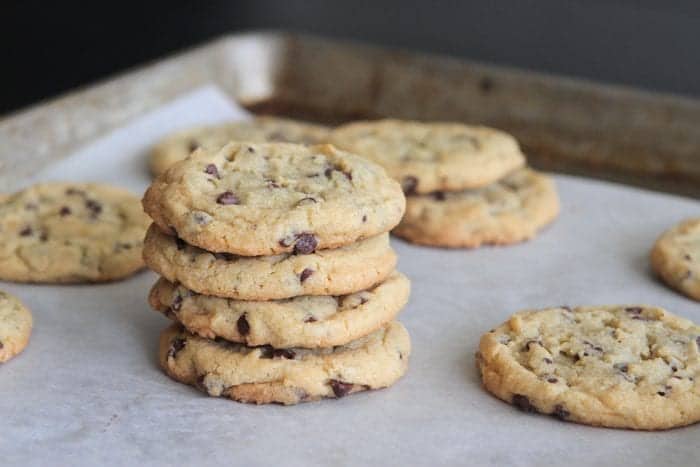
x,y
277,270
466,186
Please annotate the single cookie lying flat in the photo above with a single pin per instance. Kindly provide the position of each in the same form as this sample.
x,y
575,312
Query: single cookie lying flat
x,y
288,376
265,199
15,326
176,147
321,321
617,366
427,157
70,232
336,271
508,211
676,257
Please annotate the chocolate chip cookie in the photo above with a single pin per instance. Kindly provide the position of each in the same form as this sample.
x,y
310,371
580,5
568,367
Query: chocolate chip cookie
x,y
266,199
15,326
176,147
263,375
308,321
632,367
427,157
335,271
70,232
508,211
676,257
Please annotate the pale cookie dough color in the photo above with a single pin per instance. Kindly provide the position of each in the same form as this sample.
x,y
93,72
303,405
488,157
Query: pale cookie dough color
x,y
15,326
632,367
265,199
178,146
310,322
427,157
676,257
288,376
508,211
69,233
335,271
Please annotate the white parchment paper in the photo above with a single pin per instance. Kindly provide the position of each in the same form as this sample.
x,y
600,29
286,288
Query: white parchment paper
x,y
88,390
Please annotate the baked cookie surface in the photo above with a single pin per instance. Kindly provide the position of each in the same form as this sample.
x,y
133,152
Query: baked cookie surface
x,y
335,271
288,376
70,233
427,157
265,199
178,146
15,326
632,367
675,257
508,211
308,321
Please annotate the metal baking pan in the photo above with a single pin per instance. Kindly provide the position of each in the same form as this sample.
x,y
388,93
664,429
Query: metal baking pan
x,y
565,125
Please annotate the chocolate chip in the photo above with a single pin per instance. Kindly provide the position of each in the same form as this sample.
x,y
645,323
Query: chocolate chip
x,y
177,303
306,244
227,197
94,207
661,393
180,243
243,326
409,184
65,211
75,191
552,380
439,196
485,85
269,352
212,170
310,319
340,388
305,274
523,403
560,412
25,232
176,345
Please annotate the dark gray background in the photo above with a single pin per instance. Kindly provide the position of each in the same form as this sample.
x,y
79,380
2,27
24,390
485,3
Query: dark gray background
x,y
51,47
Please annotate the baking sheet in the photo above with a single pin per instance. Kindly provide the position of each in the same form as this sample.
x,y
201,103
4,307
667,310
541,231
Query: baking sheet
x,y
88,389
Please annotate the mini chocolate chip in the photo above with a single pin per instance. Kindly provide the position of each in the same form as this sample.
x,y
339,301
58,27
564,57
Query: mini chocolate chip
x,y
688,258
364,218
340,388
622,367
523,403
177,303
552,380
661,393
250,149
439,196
194,144
310,319
328,172
306,244
65,211
548,361
409,184
269,352
485,84
560,412
176,345
25,232
243,326
305,274
348,175
227,197
44,236
94,207
400,356
212,170
180,243
633,310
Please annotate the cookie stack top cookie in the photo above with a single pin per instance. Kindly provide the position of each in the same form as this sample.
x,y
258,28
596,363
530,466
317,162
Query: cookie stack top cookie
x,y
265,199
